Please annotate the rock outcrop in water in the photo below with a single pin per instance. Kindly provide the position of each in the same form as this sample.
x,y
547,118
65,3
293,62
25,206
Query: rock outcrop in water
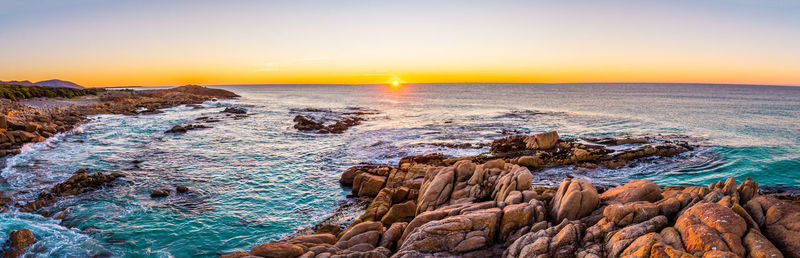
x,y
80,182
18,241
325,121
303,123
432,206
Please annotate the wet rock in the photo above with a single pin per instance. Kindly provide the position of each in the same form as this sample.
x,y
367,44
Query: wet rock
x,y
79,182
18,241
277,250
234,110
574,200
159,193
710,226
176,129
182,189
184,129
304,123
635,190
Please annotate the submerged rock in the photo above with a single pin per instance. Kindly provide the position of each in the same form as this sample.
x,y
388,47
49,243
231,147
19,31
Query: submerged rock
x,y
234,110
182,189
159,193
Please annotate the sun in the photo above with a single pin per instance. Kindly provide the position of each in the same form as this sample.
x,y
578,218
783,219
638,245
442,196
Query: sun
x,y
395,84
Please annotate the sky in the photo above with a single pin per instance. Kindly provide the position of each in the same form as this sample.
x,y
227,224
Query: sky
x,y
154,43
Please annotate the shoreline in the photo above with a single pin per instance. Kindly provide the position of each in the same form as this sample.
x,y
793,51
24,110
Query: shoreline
x,y
477,206
22,124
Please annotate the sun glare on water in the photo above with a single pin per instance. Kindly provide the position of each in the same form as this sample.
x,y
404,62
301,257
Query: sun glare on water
x,y
395,84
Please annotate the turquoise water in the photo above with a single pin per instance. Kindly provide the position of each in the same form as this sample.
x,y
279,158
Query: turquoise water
x,y
255,179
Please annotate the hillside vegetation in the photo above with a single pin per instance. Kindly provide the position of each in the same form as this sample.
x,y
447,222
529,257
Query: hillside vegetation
x,y
19,92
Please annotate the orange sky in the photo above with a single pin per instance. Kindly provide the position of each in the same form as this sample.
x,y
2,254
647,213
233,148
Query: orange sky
x,y
151,43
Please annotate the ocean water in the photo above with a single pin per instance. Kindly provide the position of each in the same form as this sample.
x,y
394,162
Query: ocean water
x,y
256,179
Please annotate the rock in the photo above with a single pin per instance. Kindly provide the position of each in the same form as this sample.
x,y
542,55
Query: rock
x,y
422,219
518,216
366,232
402,212
660,250
530,161
277,250
574,200
314,239
182,189
758,246
3,123
630,213
392,235
710,226
236,255
622,239
18,241
176,129
781,223
747,190
159,193
329,228
635,190
557,241
454,235
377,209
542,141
79,182
234,110
642,245
366,184
435,189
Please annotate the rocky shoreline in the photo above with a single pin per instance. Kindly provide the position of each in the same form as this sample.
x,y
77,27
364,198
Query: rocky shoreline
x,y
487,206
21,124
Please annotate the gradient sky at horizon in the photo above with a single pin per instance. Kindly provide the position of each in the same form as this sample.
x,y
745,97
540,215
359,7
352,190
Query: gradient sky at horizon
x,y
113,43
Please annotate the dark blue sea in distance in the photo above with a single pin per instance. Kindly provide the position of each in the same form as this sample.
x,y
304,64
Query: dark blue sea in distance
x,y
256,179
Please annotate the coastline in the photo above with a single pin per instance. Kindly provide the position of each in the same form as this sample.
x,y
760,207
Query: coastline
x,y
35,120
523,151
486,206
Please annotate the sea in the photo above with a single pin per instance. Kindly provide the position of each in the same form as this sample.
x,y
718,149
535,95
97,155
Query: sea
x,y
255,178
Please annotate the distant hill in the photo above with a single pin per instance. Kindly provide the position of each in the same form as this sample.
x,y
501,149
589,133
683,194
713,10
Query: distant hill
x,y
59,83
48,83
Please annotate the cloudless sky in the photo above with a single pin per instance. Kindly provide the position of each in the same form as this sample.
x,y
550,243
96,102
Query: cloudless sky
x,y
143,42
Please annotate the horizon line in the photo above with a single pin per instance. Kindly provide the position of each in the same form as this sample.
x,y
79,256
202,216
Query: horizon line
x,y
559,83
